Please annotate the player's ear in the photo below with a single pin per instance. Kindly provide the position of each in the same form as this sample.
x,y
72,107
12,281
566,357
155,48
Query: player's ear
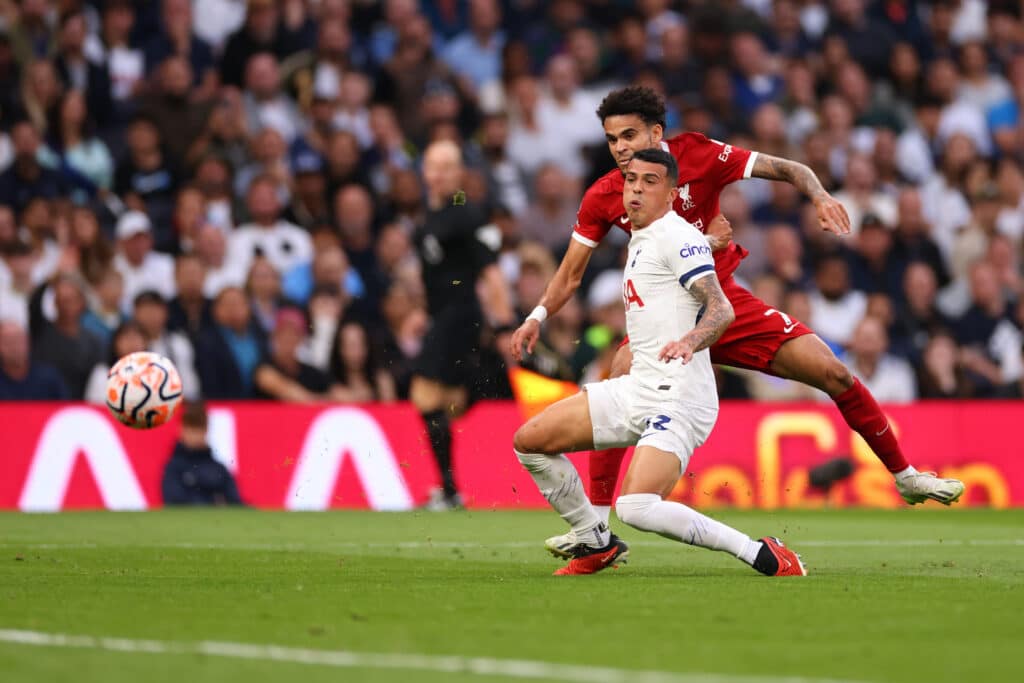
x,y
673,194
657,132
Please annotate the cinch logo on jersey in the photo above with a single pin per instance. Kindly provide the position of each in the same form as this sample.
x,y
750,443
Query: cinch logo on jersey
x,y
630,296
694,250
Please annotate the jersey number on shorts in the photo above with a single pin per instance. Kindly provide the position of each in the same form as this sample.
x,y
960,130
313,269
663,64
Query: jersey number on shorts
x,y
789,323
658,422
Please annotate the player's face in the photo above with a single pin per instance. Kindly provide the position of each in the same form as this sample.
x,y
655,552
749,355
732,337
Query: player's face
x,y
648,194
627,134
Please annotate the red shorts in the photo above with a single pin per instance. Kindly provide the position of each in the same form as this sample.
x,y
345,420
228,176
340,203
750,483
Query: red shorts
x,y
755,336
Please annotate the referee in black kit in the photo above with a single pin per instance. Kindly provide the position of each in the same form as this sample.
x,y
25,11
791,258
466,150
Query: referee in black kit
x,y
458,255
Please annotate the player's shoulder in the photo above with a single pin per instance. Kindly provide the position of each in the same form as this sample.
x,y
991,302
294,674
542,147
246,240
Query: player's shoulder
x,y
610,185
674,229
688,142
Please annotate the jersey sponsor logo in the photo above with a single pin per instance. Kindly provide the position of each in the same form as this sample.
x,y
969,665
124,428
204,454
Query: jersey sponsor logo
x,y
685,200
726,151
630,295
694,250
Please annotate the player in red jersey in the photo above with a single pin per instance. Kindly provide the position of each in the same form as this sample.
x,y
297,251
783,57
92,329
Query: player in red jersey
x,y
761,338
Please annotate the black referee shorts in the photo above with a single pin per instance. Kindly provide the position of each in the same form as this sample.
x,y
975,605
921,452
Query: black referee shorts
x,y
451,347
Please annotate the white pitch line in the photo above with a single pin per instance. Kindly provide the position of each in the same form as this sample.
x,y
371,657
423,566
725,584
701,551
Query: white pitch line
x,y
445,545
481,666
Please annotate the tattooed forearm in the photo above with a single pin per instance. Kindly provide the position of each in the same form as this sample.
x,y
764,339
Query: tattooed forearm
x,y
793,172
718,313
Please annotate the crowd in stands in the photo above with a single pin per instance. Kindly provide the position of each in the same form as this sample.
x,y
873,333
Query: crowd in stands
x,y
235,183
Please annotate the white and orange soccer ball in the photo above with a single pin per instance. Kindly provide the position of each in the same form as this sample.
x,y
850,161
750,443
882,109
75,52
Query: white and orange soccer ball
x,y
143,390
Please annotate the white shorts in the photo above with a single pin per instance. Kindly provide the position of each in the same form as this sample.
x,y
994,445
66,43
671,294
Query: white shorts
x,y
623,412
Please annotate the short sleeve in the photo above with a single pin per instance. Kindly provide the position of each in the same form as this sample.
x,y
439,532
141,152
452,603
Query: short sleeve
x,y
591,226
727,163
688,253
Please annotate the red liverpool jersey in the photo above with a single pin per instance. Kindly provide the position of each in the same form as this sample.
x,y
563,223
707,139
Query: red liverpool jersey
x,y
705,167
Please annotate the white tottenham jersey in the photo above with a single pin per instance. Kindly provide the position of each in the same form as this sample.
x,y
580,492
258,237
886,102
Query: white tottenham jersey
x,y
665,258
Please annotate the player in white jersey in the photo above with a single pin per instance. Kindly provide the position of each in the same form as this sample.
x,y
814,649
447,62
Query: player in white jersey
x,y
666,405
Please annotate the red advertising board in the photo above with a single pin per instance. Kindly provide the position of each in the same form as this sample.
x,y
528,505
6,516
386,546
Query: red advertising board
x,y
61,456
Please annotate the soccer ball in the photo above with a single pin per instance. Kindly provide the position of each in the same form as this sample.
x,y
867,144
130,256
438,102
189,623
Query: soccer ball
x,y
143,390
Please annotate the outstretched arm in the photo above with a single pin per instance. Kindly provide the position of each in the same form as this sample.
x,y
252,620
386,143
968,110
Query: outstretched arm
x,y
831,214
718,315
561,288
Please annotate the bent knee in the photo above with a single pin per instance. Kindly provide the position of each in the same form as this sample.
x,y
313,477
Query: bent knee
x,y
837,377
633,508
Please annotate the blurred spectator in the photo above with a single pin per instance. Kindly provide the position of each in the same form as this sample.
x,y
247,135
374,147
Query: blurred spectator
x,y
264,289
173,108
178,39
503,176
228,353
127,338
63,343
282,375
105,313
874,267
261,33
283,244
266,104
189,311
126,65
212,249
75,69
355,215
151,313
16,288
356,373
22,378
193,476
140,266
991,346
552,213
862,196
755,81
92,250
941,374
835,307
27,179
268,155
146,178
214,180
918,317
309,201
890,379
41,89
784,255
476,53
912,240
76,151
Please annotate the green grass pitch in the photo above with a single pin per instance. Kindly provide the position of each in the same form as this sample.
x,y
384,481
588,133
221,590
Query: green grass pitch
x,y
911,595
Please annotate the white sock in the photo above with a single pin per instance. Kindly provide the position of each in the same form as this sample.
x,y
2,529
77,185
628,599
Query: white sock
x,y
648,512
560,484
604,512
903,474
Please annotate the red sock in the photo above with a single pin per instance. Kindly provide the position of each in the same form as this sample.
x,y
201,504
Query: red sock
x,y
604,474
861,412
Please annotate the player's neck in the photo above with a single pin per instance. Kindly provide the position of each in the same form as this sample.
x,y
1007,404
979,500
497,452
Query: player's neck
x,y
652,221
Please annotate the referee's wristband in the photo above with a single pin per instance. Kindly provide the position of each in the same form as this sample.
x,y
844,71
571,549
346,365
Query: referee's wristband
x,y
540,314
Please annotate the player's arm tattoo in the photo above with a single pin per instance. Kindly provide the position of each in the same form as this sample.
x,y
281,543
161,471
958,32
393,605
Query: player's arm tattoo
x,y
796,174
718,313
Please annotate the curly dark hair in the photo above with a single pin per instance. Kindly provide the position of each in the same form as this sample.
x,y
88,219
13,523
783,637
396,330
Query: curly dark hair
x,y
635,99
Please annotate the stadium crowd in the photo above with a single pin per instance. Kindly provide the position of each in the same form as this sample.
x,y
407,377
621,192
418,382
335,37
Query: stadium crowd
x,y
236,184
